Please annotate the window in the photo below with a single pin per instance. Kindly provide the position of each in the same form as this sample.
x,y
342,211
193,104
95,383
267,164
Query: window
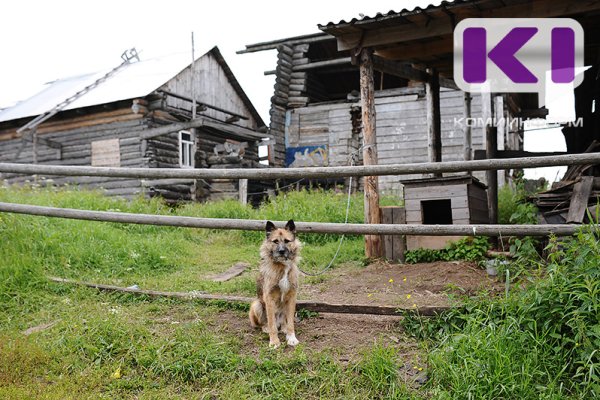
x,y
186,149
437,212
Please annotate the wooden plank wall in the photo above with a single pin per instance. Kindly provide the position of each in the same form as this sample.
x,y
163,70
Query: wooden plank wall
x,y
401,131
212,87
457,194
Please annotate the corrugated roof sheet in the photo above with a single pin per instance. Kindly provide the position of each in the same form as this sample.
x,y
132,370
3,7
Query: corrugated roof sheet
x,y
137,79
392,14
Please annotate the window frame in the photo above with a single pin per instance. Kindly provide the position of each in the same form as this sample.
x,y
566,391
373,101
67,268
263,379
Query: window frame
x,y
188,146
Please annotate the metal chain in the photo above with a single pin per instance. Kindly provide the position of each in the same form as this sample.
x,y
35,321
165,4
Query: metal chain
x,y
353,158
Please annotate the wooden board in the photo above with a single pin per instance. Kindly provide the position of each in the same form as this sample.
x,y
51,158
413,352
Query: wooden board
x,y
236,270
579,200
394,246
106,153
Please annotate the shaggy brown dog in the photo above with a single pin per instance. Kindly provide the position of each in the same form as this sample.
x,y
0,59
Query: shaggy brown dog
x,y
277,284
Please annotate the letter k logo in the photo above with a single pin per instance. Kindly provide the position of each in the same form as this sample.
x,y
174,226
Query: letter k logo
x,y
503,55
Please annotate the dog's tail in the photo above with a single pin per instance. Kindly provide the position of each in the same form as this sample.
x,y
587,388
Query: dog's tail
x,y
257,314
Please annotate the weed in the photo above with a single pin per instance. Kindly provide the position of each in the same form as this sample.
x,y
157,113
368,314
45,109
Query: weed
x,y
466,249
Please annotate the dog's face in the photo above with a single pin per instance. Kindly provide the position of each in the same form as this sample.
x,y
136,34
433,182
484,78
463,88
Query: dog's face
x,y
281,244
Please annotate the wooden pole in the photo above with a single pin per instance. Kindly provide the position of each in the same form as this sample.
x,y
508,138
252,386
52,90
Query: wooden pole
x,y
302,227
491,147
434,124
468,145
367,95
300,305
243,191
306,172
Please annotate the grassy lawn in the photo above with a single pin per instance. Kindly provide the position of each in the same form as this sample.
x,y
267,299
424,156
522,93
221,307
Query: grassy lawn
x,y
102,345
540,342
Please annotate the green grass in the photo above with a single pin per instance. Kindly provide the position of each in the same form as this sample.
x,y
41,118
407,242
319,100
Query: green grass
x,y
540,342
161,348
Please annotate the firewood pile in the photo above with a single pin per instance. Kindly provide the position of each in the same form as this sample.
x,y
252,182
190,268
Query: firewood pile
x,y
575,198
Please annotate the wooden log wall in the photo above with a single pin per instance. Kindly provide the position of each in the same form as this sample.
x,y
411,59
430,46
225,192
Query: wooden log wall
x,y
279,101
76,136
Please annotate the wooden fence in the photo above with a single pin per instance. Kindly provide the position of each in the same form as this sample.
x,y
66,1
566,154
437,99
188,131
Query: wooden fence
x,y
305,227
292,173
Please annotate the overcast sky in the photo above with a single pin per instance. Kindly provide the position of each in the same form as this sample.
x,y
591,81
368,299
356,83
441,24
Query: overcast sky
x,y
41,41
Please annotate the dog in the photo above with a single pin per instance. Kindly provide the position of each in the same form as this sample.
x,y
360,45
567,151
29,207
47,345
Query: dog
x,y
277,284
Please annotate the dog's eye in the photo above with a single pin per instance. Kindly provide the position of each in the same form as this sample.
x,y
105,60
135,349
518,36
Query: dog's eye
x,y
286,241
275,241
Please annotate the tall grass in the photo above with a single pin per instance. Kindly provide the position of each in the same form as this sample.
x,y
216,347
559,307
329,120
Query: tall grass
x,y
542,342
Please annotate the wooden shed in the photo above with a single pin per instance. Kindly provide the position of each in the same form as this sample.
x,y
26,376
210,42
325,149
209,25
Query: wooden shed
x,y
140,115
443,201
316,113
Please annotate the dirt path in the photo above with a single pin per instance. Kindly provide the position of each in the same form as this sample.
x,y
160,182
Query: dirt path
x,y
408,285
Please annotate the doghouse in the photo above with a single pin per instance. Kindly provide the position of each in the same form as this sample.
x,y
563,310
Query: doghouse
x,y
445,201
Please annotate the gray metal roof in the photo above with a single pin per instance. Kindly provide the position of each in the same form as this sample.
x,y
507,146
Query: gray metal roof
x,y
137,79
392,14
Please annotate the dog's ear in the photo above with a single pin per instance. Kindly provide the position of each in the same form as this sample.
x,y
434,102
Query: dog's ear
x,y
290,226
269,228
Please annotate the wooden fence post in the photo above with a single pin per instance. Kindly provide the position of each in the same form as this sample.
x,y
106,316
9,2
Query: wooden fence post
x,y
243,188
434,124
367,96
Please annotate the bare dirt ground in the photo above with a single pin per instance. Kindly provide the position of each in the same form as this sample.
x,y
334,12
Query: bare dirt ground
x,y
345,336
407,285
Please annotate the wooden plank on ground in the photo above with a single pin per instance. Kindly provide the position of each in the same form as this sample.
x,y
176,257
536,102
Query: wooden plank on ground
x,y
579,200
301,304
236,270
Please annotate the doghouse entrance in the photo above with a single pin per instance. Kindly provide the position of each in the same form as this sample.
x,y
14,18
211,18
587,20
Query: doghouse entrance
x,y
436,212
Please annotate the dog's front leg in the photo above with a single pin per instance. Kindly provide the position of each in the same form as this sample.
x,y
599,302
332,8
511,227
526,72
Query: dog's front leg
x,y
272,322
290,334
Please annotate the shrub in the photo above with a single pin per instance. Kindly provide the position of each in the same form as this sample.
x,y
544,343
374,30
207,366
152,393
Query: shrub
x,y
466,249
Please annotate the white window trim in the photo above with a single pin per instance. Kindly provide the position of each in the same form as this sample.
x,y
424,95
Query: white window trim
x,y
192,145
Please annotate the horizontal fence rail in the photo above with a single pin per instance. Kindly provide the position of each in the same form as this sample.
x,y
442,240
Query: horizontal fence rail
x,y
309,172
304,227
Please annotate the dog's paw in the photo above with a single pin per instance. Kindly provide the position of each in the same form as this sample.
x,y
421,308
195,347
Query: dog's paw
x,y
292,341
274,344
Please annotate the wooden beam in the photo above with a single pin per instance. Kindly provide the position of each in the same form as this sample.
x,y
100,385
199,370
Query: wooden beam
x,y
302,172
235,130
323,64
503,154
491,140
273,44
409,52
164,130
203,122
468,145
300,304
200,104
434,124
579,199
367,94
301,227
